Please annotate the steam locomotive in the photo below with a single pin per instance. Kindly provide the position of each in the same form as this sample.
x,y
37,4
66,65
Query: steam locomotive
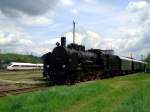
x,y
72,63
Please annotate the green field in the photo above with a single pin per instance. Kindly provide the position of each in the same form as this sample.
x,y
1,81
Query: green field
x,y
21,75
120,94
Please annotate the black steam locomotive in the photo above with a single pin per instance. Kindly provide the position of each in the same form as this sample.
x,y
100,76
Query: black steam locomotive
x,y
72,63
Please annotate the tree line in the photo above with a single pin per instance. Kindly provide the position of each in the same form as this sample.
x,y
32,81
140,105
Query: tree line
x,y
13,57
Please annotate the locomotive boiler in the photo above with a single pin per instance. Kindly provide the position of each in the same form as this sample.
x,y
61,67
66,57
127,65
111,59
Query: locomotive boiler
x,y
65,63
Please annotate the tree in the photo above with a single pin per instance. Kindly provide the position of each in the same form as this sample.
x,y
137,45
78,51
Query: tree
x,y
148,61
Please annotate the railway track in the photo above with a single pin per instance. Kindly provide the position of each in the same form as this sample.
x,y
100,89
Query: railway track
x,y
20,90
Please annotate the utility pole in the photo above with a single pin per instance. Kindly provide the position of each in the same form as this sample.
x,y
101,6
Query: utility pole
x,y
74,32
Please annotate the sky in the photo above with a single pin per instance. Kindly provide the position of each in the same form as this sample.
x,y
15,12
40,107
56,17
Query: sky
x,y
34,26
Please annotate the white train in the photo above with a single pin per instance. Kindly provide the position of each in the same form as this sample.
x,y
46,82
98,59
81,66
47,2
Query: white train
x,y
23,66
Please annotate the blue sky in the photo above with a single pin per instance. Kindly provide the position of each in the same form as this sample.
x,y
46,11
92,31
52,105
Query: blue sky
x,y
35,26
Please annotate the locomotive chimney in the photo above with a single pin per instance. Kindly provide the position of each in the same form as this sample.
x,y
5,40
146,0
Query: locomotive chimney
x,y
63,41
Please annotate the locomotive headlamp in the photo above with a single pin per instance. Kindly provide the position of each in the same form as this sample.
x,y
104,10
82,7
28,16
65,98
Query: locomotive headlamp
x,y
47,66
63,66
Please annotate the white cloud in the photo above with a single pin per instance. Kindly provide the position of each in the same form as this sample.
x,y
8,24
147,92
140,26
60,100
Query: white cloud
x,y
12,37
90,39
135,34
138,5
87,0
36,21
67,2
14,8
74,11
78,37
28,12
15,38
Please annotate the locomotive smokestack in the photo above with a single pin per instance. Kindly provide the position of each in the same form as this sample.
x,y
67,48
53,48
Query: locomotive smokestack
x,y
63,41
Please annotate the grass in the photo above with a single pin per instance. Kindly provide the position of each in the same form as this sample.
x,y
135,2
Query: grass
x,y
120,94
20,75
